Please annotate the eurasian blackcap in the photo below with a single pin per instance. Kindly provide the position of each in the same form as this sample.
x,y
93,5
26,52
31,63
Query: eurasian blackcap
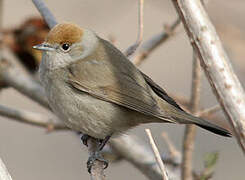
x,y
96,90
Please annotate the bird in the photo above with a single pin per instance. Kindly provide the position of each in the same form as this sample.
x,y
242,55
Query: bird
x,y
96,90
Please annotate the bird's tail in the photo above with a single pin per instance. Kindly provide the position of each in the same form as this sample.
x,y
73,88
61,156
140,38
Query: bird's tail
x,y
180,116
206,125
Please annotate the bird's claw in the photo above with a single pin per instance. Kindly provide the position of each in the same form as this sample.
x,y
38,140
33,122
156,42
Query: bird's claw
x,y
85,139
91,160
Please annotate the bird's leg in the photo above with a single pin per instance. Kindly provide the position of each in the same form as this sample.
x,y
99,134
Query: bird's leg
x,y
96,155
103,142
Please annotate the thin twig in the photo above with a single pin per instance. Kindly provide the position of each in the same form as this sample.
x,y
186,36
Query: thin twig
x,y
190,131
45,12
131,50
32,118
154,42
209,111
4,174
157,155
216,64
175,155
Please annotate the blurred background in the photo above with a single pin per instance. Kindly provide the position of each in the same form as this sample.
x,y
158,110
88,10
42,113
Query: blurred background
x,y
32,153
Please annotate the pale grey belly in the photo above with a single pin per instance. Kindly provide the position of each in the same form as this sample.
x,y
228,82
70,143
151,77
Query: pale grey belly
x,y
89,115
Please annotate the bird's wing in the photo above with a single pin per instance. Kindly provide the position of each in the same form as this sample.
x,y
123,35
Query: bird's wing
x,y
160,91
114,80
126,94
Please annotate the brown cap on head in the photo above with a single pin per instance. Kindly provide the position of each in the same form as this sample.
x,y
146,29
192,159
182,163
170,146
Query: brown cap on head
x,y
64,33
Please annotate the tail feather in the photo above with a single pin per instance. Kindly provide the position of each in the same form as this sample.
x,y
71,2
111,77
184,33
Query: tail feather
x,y
216,130
185,118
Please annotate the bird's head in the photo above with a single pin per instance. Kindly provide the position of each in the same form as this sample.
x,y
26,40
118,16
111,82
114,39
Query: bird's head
x,y
67,43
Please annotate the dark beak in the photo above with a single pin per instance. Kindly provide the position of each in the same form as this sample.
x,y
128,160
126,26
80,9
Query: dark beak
x,y
44,47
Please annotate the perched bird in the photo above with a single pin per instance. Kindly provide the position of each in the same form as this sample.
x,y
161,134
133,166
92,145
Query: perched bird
x,y
96,90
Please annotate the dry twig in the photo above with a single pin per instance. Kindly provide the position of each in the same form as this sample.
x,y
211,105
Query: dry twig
x,y
157,155
209,111
150,45
131,50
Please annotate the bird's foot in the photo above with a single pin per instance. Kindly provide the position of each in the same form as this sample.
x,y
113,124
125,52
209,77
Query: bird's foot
x,y
85,139
96,156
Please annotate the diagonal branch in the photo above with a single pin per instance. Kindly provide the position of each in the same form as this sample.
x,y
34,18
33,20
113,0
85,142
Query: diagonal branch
x,y
45,12
209,111
157,155
150,45
31,118
216,64
13,77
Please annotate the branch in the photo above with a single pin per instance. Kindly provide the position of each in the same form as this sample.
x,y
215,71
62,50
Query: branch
x,y
190,131
196,84
150,45
157,155
45,12
131,50
32,118
13,77
97,170
215,63
137,154
4,174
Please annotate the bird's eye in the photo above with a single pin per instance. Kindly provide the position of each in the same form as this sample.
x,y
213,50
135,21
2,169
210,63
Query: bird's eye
x,y
65,47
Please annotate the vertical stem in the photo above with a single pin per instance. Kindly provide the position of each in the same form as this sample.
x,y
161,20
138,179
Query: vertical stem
x,y
196,84
131,49
97,170
190,131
